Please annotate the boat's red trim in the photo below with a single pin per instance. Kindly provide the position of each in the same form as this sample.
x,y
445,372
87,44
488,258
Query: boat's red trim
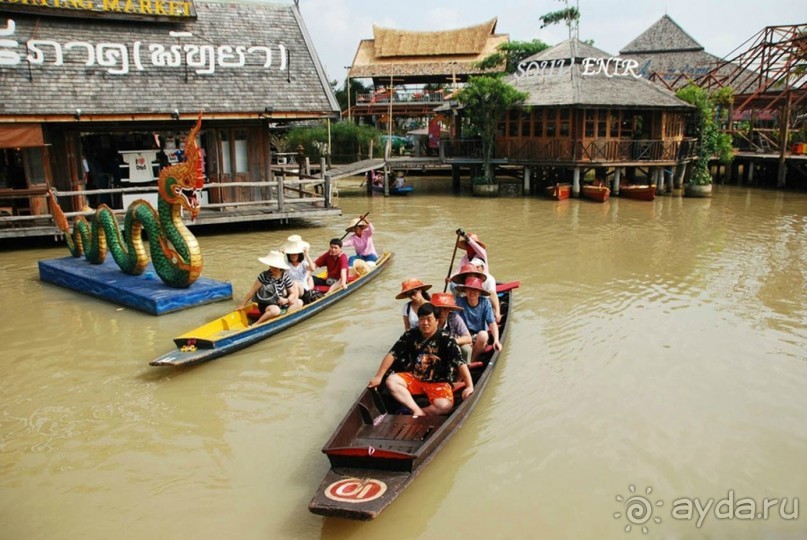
x,y
368,452
510,285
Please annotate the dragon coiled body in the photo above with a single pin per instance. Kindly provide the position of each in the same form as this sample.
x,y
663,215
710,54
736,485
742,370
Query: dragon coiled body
x,y
175,252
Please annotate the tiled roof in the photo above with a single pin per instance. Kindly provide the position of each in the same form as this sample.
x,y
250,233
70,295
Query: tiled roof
x,y
301,90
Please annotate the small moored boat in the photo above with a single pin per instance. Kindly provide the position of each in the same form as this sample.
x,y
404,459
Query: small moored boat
x,y
596,192
375,454
233,331
559,192
642,192
394,190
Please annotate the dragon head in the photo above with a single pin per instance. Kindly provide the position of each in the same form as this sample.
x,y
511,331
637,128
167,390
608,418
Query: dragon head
x,y
181,183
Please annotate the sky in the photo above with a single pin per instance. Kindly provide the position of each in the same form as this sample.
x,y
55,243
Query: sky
x,y
720,26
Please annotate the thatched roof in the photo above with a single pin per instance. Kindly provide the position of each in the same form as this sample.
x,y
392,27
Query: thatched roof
x,y
299,90
569,87
663,36
667,51
471,40
404,53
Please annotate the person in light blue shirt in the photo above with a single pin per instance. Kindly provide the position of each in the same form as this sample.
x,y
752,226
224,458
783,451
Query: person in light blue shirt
x,y
477,312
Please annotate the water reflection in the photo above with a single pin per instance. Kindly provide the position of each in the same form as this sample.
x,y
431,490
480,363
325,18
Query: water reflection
x,y
653,343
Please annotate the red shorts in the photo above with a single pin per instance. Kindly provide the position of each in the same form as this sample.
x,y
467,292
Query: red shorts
x,y
433,390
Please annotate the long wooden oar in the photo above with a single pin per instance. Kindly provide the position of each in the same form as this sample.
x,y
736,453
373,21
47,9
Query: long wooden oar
x,y
460,233
360,220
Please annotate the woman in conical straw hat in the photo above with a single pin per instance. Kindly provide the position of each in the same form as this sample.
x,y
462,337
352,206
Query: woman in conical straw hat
x,y
273,290
361,238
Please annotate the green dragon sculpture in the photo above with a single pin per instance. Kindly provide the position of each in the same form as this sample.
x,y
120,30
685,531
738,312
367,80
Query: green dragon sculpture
x,y
175,252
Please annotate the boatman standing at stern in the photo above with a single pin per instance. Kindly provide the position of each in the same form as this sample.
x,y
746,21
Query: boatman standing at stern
x,y
425,360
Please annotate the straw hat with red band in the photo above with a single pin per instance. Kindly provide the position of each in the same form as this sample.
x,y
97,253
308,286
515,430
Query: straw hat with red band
x,y
467,270
462,244
275,259
474,283
356,222
411,285
444,300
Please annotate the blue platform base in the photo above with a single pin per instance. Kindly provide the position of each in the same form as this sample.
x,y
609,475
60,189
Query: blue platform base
x,y
145,292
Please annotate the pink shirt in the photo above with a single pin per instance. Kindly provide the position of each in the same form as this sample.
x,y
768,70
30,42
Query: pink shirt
x,y
362,244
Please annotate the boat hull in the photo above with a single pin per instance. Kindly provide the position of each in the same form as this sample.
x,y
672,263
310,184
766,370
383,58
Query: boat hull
x,y
375,454
405,190
559,192
232,332
641,193
596,193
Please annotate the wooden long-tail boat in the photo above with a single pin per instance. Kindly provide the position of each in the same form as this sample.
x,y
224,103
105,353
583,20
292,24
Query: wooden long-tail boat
x,y
596,192
642,192
375,453
232,331
559,192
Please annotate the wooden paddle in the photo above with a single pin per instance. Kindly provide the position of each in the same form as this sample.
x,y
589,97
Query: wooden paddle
x,y
460,233
360,220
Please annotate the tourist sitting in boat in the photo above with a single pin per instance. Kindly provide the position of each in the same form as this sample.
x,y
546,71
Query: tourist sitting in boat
x,y
361,238
300,266
273,291
400,179
477,268
477,312
425,360
415,290
335,261
449,320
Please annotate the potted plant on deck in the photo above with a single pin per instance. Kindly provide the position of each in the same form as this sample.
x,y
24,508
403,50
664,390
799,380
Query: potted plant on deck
x,y
485,101
711,111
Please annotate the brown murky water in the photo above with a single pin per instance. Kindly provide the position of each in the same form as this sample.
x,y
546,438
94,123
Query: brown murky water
x,y
655,345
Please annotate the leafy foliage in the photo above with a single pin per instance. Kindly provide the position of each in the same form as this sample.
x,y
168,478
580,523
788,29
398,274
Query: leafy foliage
x,y
711,111
568,15
485,100
347,140
511,53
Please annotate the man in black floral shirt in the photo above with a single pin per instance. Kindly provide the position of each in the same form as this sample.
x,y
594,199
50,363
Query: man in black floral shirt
x,y
425,360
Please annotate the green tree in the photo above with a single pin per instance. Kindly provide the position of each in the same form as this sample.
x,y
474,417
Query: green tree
x,y
570,15
711,112
511,53
485,100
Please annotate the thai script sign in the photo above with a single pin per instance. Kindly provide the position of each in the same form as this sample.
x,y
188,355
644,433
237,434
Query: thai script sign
x,y
158,10
610,67
121,58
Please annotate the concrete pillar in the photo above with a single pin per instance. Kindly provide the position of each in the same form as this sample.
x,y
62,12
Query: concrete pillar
x,y
617,180
668,175
527,175
576,182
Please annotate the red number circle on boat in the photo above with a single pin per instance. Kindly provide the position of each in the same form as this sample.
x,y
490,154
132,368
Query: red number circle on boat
x,y
356,490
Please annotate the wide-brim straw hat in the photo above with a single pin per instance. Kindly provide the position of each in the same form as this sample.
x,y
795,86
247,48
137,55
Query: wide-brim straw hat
x,y
360,267
356,222
444,300
410,285
275,259
474,283
467,270
295,244
463,244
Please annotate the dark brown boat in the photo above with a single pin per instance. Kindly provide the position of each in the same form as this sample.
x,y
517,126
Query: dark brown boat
x,y
376,453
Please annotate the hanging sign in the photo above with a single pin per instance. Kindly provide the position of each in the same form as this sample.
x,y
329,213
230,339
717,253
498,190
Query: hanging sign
x,y
144,10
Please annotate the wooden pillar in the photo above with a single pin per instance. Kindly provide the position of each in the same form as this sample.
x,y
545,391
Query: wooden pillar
x,y
785,129
668,182
576,182
750,173
327,189
386,179
455,178
678,185
617,180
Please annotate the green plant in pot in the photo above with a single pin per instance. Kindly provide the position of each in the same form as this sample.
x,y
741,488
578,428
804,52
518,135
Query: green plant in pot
x,y
711,110
485,100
